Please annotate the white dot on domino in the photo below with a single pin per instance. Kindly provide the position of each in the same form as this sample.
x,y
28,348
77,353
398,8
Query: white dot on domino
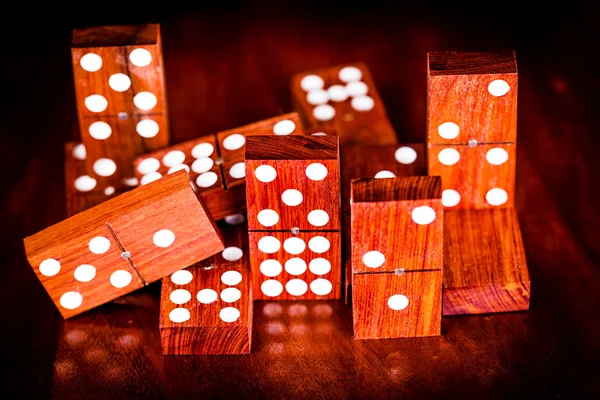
x,y
324,112
337,93
363,103
350,74
317,97
207,296
357,88
311,82
284,127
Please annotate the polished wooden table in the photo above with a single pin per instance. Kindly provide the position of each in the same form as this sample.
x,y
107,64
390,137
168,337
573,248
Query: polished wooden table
x,y
225,69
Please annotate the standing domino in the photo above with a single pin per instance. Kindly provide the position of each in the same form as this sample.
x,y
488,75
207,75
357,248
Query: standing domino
x,y
294,217
397,257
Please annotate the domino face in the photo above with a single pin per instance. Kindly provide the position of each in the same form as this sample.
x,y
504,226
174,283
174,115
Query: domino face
x,y
296,188
287,267
120,95
475,178
207,309
471,96
411,207
472,127
397,257
293,201
122,244
343,99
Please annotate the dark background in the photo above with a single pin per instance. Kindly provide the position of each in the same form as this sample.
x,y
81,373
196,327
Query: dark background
x,y
228,65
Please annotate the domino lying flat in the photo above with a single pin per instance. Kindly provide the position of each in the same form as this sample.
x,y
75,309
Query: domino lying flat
x,y
215,163
343,99
207,308
122,244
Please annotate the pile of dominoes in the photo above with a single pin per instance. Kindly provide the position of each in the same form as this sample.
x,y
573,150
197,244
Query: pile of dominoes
x,y
318,204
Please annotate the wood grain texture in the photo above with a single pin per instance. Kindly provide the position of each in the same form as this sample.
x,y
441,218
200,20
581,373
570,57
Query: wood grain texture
x,y
77,200
373,318
128,223
232,148
388,226
123,112
360,161
457,92
473,176
116,35
485,270
278,274
410,188
209,330
290,159
352,126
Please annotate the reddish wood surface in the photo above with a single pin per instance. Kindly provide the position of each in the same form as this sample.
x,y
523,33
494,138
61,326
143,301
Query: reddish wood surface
x,y
412,256
280,290
350,124
473,176
382,221
206,332
374,319
128,223
114,44
457,92
227,67
485,268
292,159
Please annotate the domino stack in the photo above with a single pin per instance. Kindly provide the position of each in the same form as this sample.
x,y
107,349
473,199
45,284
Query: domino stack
x,y
294,218
471,144
397,257
121,101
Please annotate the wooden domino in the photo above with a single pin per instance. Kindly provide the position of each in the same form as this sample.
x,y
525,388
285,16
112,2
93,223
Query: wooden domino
x,y
381,161
294,216
122,244
207,309
343,99
485,269
472,127
397,257
120,95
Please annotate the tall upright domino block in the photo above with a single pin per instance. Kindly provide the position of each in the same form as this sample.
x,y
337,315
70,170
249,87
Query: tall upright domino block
x,y
121,97
207,308
397,257
294,218
345,100
122,244
472,127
